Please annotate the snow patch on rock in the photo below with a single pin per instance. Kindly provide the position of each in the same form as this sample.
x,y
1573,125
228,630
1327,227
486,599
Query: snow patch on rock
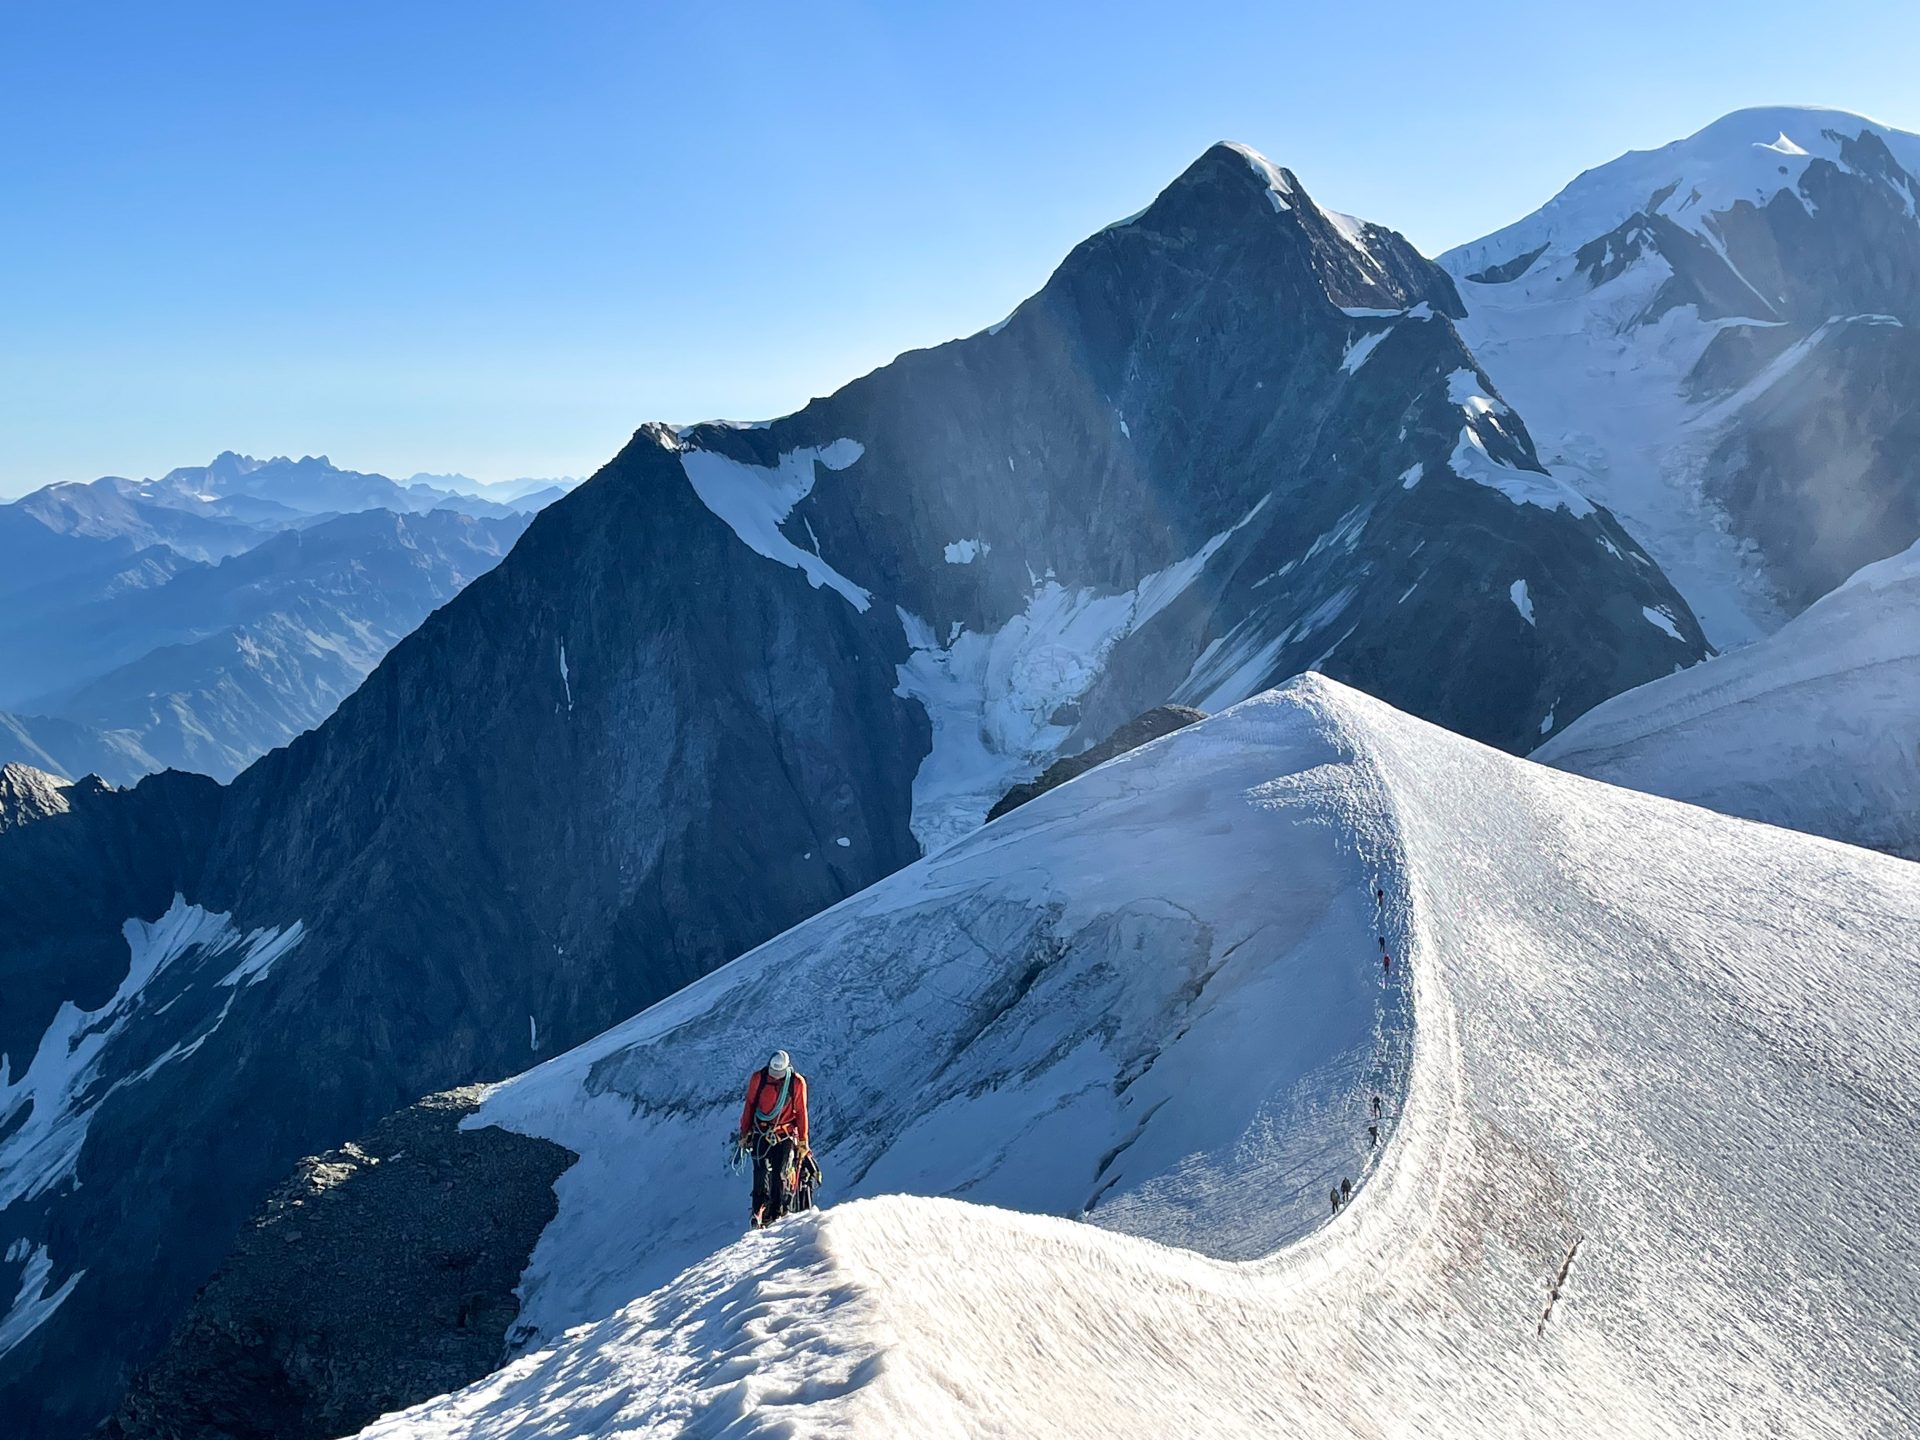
x,y
1359,349
1470,461
1661,620
1464,390
755,502
965,552
35,1301
1279,192
44,1113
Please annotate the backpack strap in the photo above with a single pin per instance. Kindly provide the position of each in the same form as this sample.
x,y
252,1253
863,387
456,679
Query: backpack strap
x,y
764,1119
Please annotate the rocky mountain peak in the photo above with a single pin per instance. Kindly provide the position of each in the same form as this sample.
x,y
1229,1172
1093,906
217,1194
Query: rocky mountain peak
x,y
27,794
1234,194
1717,340
1748,159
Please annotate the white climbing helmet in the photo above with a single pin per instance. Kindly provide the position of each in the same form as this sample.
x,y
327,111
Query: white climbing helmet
x,y
780,1065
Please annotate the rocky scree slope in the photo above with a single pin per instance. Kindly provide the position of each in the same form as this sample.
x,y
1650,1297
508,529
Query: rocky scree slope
x,y
746,671
381,1275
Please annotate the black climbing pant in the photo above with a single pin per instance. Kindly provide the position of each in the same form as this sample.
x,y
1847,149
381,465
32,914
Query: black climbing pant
x,y
773,1163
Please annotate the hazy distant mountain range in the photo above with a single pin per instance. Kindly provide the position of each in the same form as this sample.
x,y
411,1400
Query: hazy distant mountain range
x,y
202,618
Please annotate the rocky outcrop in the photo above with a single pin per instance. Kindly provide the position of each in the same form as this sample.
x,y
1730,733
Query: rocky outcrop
x,y
381,1275
1161,720
1823,475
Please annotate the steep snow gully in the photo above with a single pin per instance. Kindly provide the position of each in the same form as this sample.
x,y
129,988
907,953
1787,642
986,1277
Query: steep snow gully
x,y
1647,1167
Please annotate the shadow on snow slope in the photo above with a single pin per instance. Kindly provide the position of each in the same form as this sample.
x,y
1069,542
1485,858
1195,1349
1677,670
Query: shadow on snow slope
x,y
1811,728
1647,1174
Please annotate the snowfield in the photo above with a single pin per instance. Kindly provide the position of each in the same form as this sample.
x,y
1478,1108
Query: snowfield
x,y
1647,1165
1814,728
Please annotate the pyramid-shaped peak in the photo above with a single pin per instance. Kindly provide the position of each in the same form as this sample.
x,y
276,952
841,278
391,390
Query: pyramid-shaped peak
x,y
1228,162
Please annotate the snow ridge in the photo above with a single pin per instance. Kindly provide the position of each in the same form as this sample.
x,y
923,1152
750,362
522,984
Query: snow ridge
x,y
1643,1113
1749,155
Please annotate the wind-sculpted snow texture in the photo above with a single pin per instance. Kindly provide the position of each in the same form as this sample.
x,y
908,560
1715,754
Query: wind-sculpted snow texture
x,y
735,678
1720,340
1648,1167
1812,728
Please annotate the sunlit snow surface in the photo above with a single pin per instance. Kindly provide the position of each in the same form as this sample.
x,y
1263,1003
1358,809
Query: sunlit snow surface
x,y
1676,1047
1814,727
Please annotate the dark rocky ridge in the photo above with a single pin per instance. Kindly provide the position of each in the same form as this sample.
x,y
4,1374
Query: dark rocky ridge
x,y
1161,720
381,1275
638,748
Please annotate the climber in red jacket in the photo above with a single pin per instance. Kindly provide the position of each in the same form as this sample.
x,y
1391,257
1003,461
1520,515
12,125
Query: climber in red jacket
x,y
773,1130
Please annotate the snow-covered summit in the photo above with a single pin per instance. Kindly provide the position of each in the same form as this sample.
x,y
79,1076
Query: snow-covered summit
x,y
1749,155
1812,728
1644,1160
1719,341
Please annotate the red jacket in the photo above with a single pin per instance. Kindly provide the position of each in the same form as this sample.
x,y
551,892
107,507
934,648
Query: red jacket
x,y
763,1093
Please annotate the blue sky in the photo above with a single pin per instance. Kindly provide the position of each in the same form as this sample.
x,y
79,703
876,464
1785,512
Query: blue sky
x,y
498,237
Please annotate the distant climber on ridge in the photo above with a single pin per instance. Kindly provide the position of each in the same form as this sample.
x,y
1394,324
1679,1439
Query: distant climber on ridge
x,y
773,1130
